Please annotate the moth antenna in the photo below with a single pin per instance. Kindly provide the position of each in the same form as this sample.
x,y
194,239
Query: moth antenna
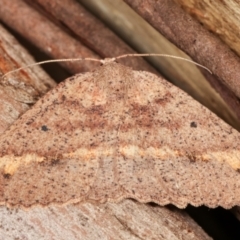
x,y
162,55
51,61
106,60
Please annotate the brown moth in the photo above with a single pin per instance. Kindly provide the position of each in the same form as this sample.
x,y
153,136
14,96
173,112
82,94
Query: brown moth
x,y
116,133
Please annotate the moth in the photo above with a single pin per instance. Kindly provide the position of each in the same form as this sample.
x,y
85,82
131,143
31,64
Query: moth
x,y
115,133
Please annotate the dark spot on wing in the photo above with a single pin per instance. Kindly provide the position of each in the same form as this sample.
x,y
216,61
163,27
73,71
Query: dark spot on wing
x,y
55,162
193,124
6,175
44,128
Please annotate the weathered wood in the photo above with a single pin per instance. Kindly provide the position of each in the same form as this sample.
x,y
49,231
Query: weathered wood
x,y
125,220
220,17
47,36
72,40
22,88
91,31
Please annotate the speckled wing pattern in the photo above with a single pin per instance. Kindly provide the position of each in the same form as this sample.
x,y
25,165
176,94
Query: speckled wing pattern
x,y
116,133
